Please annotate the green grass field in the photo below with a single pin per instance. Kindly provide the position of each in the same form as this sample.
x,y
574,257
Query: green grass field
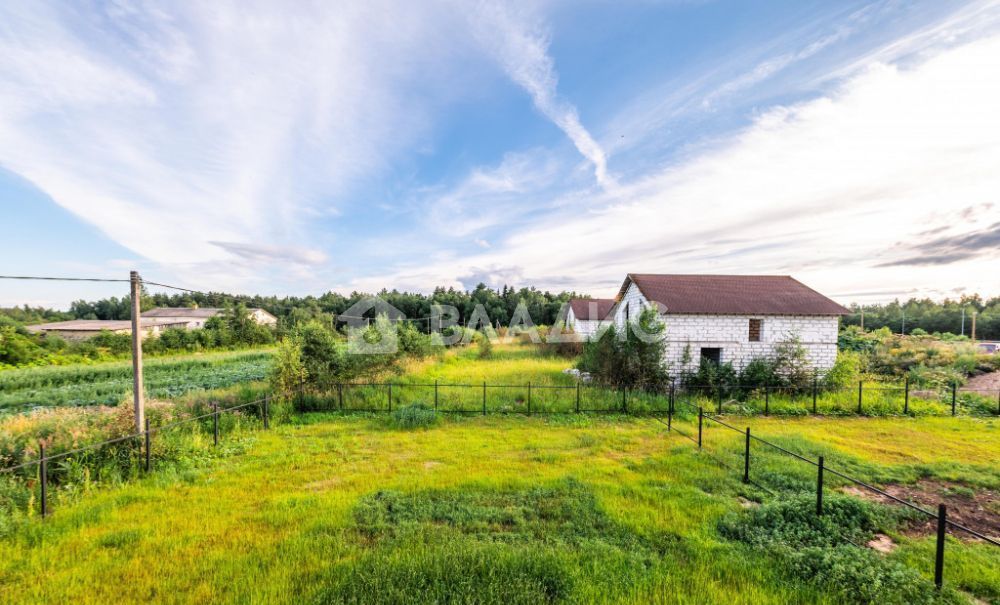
x,y
331,508
481,509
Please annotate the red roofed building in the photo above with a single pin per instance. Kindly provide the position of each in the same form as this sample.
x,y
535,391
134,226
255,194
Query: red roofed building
x,y
733,318
585,316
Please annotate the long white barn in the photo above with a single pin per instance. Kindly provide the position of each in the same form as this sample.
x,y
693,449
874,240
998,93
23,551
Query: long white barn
x,y
733,318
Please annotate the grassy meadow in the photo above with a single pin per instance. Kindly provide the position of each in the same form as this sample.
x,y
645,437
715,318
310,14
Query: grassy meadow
x,y
505,508
331,509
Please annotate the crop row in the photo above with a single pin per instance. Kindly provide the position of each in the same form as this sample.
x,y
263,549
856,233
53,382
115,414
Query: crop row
x,y
108,384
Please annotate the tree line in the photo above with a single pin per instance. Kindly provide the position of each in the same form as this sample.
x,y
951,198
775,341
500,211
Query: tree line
x,y
543,306
921,314
926,315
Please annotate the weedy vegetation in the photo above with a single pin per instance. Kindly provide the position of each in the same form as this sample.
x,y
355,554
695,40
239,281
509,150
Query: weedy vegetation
x,y
419,505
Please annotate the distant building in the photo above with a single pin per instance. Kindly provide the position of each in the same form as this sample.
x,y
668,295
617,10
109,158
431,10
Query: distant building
x,y
153,321
733,318
586,316
197,316
82,329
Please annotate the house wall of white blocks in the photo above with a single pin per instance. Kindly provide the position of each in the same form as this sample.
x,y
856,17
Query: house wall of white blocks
x,y
731,334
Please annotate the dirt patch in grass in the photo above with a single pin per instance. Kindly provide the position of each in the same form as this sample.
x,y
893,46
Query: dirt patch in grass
x,y
975,508
882,543
989,382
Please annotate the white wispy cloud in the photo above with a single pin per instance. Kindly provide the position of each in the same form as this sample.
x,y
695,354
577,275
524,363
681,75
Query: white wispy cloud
x,y
774,65
519,42
841,189
172,126
490,196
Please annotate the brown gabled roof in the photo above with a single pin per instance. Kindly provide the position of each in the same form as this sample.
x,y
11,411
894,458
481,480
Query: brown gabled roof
x,y
732,294
592,309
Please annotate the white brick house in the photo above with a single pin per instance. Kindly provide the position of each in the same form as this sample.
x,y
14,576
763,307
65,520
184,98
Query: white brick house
x,y
585,316
733,318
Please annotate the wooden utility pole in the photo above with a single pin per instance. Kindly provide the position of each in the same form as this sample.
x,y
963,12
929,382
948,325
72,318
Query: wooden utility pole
x,y
137,390
973,327
862,319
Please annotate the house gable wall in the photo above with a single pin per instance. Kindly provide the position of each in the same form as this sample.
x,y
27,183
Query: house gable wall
x,y
731,333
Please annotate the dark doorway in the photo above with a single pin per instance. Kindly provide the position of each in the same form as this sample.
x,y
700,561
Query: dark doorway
x,y
711,355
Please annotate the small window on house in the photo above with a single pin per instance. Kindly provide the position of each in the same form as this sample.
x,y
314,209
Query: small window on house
x,y
712,355
755,325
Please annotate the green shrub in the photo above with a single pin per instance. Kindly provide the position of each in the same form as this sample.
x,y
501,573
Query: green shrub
x,y
288,373
815,548
485,346
17,348
759,372
853,338
627,359
791,363
793,522
412,341
414,416
713,378
846,370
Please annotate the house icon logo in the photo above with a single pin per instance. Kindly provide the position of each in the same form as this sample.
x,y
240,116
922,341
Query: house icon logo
x,y
371,327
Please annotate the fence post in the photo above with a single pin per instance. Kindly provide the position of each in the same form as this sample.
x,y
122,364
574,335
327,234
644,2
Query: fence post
x,y
819,488
624,399
701,414
435,394
954,393
340,396
484,398
906,399
815,389
767,400
942,520
390,396
746,460
670,407
43,479
577,396
215,422
861,386
267,412
146,419
529,398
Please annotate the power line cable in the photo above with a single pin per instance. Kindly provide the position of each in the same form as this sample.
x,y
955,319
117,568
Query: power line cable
x,y
41,278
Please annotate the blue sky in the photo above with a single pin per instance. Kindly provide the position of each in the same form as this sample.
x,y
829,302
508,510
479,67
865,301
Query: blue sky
x,y
253,148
